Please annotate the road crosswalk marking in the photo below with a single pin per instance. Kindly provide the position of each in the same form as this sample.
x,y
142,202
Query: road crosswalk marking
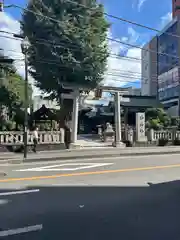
x,y
11,232
64,167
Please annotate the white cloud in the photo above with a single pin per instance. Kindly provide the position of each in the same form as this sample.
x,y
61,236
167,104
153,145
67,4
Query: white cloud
x,y
116,66
165,19
133,35
121,71
140,4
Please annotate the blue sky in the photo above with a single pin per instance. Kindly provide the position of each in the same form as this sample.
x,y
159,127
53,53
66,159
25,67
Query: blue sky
x,y
147,12
128,9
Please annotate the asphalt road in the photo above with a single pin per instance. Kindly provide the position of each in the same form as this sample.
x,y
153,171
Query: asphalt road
x,y
125,198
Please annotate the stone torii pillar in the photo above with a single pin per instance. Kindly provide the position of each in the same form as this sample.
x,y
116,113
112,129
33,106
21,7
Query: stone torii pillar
x,y
75,112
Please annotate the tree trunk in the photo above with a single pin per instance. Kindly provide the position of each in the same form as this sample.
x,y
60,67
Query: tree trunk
x,y
65,113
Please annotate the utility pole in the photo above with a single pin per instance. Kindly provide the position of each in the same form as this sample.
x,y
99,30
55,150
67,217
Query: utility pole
x,y
24,47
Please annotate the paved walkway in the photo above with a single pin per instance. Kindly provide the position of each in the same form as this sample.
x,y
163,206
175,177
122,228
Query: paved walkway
x,y
88,153
86,141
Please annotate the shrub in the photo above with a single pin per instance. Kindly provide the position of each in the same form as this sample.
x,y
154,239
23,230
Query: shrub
x,y
162,142
10,125
176,142
128,143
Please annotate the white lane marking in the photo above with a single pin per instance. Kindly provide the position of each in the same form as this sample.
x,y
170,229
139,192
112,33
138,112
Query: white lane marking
x,y
3,201
16,231
19,192
59,167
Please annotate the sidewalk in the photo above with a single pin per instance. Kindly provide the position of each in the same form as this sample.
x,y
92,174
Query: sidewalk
x,y
87,141
88,153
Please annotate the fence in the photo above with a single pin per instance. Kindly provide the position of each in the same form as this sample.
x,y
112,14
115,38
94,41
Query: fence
x,y
165,134
57,137
16,138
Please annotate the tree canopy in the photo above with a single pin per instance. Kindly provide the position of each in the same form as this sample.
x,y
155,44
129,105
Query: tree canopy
x,y
72,49
157,118
11,86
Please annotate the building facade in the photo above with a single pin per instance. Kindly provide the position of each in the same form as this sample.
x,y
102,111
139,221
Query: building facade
x,y
149,69
175,8
168,67
160,67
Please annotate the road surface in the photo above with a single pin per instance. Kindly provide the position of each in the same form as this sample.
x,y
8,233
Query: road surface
x,y
125,198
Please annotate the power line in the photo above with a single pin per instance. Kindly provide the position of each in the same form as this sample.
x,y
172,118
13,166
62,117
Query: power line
x,y
125,74
115,40
121,74
131,45
119,57
110,54
126,20
57,63
111,39
105,13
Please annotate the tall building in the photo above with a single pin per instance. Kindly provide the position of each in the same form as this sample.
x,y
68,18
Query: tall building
x,y
160,66
168,60
168,67
149,69
175,8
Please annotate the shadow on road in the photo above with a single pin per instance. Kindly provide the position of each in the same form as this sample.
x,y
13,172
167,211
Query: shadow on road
x,y
91,213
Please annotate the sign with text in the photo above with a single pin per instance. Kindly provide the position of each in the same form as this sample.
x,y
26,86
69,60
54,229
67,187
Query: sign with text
x,y
140,126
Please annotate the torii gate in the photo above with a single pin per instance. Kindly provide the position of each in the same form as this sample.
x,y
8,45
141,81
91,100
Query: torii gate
x,y
118,93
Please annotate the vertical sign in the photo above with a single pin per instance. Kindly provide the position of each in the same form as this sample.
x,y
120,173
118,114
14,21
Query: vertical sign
x,y
140,127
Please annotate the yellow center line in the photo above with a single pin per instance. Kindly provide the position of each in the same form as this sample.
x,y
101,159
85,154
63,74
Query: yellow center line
x,y
89,173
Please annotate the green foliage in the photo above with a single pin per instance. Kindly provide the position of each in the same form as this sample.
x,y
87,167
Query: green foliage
x,y
54,125
175,121
79,51
12,87
12,96
16,85
7,125
162,142
155,124
157,118
10,125
176,142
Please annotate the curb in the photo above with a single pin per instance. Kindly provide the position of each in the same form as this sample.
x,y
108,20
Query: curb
x,y
63,158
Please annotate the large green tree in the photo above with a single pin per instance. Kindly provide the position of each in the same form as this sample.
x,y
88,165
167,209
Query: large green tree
x,y
72,49
12,86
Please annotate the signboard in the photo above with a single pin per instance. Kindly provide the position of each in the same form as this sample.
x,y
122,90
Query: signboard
x,y
140,127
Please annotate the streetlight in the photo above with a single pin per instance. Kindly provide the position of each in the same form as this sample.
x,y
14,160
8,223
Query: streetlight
x,y
24,47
